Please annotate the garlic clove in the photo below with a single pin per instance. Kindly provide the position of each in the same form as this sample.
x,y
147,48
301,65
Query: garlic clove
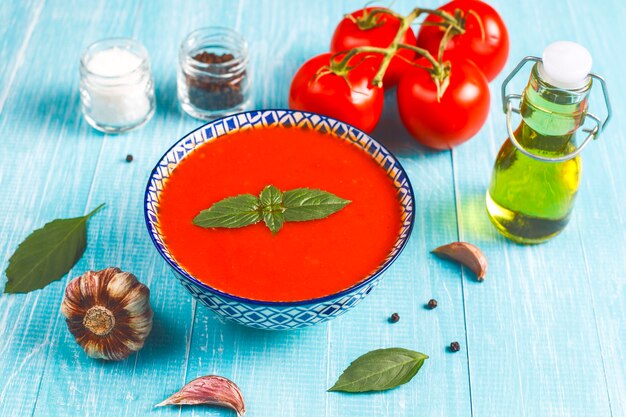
x,y
467,255
119,286
209,390
108,312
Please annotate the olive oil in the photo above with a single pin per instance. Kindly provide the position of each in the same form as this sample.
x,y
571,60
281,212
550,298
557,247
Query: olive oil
x,y
529,200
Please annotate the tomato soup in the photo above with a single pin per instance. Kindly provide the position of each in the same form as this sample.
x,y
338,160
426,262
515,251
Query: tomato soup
x,y
304,260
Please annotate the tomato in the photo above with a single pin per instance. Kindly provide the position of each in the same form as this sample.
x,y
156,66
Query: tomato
x,y
352,99
349,35
488,53
460,113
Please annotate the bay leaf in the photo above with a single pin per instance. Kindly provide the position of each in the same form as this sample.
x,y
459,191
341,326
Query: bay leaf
x,y
380,370
47,254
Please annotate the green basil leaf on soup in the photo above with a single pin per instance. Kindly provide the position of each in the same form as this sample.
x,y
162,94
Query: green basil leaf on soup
x,y
302,204
270,197
274,220
272,206
232,212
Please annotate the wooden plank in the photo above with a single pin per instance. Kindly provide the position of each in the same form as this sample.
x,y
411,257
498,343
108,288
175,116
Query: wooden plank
x,y
48,158
532,335
17,23
136,384
442,386
310,360
280,373
602,199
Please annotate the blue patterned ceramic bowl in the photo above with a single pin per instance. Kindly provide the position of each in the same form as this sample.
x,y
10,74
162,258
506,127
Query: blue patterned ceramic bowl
x,y
277,315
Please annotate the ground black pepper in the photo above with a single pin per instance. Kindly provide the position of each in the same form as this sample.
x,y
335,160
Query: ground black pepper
x,y
395,317
455,346
213,89
432,303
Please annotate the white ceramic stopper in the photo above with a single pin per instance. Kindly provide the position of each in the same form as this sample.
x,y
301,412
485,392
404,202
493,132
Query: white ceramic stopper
x,y
566,65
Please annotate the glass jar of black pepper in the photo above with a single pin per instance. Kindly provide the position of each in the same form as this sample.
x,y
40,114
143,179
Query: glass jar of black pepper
x,y
213,75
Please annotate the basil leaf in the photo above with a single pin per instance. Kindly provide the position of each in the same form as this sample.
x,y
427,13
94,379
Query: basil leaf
x,y
271,196
304,204
273,220
272,206
380,370
47,254
231,212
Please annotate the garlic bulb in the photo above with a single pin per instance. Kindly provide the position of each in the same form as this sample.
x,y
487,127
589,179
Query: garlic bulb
x,y
108,312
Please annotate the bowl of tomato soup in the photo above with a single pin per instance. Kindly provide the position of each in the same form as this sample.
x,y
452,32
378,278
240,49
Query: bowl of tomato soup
x,y
307,272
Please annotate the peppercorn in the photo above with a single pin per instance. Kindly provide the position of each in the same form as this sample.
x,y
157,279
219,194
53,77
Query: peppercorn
x,y
455,346
395,317
220,86
129,158
432,303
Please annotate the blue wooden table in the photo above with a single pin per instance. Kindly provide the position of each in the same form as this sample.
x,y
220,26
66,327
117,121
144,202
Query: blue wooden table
x,y
544,335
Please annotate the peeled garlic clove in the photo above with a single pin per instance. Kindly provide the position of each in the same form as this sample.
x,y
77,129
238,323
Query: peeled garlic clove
x,y
466,254
108,312
210,390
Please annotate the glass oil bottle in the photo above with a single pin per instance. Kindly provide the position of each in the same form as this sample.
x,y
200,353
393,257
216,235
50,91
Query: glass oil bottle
x,y
537,171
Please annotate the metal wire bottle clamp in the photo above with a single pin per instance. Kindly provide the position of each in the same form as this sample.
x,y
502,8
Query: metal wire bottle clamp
x,y
508,109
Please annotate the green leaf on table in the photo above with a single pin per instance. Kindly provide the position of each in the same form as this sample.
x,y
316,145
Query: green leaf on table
x,y
304,204
272,206
47,254
380,370
232,212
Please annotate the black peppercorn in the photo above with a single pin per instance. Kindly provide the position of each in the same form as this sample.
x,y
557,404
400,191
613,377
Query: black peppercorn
x,y
217,87
129,158
395,317
455,346
432,303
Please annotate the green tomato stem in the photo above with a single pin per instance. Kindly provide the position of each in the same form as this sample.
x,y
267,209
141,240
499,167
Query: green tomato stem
x,y
439,70
391,50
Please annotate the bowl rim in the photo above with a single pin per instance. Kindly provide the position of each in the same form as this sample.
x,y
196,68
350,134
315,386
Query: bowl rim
x,y
369,279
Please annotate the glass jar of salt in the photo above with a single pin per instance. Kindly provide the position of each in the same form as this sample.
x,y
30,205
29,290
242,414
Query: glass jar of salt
x,y
213,74
116,85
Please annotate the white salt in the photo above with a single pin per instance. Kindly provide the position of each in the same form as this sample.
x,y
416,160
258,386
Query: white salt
x,y
118,90
113,62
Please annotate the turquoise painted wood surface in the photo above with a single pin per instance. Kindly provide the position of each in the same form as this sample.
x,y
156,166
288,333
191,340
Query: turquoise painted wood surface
x,y
542,336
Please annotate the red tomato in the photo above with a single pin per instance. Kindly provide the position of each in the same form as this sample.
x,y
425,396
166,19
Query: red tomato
x,y
352,100
488,53
460,113
349,35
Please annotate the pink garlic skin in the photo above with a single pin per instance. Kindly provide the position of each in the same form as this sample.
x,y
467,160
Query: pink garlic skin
x,y
210,390
466,254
